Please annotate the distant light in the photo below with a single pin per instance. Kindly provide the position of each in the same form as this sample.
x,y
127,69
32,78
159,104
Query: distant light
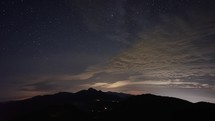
x,y
97,100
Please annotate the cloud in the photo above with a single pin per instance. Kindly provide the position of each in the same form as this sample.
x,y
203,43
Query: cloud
x,y
40,86
173,49
82,76
164,83
108,85
118,84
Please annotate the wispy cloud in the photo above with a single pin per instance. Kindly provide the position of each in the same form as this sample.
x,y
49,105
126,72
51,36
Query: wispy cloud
x,y
174,49
173,54
166,83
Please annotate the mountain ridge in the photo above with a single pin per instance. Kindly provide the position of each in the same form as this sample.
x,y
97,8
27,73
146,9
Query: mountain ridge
x,y
92,104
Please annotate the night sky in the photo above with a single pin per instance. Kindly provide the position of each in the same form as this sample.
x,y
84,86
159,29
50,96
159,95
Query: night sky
x,y
163,47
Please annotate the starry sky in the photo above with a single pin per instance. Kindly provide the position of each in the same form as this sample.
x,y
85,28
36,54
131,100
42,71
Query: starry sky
x,y
163,47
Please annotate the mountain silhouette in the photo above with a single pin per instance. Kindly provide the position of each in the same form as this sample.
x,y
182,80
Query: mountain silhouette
x,y
97,105
153,107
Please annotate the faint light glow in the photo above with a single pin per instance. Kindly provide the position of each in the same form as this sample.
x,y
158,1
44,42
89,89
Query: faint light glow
x,y
117,84
99,84
169,83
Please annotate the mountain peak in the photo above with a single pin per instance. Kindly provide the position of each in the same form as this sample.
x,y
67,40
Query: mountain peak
x,y
92,90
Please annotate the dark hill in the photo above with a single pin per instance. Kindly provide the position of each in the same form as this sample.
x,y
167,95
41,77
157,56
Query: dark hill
x,y
154,107
84,104
97,105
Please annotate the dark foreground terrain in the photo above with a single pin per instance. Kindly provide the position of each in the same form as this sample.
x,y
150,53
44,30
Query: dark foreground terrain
x,y
97,105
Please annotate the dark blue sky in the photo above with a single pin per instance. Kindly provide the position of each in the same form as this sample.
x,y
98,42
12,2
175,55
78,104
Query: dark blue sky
x,y
163,47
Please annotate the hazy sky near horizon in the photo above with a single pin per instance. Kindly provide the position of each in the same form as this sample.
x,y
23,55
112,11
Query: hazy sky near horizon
x,y
164,47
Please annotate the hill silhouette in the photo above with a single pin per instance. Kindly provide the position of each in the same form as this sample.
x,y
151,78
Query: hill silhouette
x,y
97,105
